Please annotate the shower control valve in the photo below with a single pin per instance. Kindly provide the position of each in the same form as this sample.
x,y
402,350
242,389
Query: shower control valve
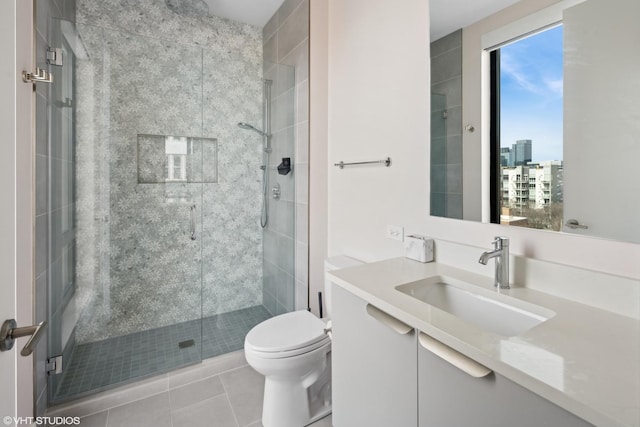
x,y
275,191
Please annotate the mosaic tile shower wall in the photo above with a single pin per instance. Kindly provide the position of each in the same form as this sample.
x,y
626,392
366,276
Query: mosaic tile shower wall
x,y
179,74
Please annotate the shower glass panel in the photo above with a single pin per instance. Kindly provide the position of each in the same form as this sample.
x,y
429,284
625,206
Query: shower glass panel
x,y
279,234
61,201
131,207
158,256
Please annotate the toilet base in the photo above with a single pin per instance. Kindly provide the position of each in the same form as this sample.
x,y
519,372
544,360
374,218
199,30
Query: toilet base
x,y
297,403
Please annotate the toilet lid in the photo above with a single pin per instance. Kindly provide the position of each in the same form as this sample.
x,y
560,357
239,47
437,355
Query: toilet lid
x,y
289,331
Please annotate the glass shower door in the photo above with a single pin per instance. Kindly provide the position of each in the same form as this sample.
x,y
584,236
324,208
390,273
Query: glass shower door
x,y
129,304
60,203
280,232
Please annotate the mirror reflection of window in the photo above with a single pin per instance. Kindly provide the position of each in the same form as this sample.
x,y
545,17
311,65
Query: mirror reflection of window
x,y
176,161
527,142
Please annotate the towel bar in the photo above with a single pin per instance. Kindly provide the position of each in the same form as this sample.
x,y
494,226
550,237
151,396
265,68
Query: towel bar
x,y
386,162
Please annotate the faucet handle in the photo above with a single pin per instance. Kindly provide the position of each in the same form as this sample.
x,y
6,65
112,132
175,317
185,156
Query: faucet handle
x,y
500,242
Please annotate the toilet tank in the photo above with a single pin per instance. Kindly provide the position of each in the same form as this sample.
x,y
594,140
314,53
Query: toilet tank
x,y
335,263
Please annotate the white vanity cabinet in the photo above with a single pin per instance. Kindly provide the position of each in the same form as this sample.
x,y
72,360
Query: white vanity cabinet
x,y
469,394
374,363
387,373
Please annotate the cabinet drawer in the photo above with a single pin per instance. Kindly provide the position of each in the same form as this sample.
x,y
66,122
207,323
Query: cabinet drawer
x,y
374,362
452,396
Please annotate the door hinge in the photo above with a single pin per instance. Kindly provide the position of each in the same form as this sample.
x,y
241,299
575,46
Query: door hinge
x,y
54,56
40,76
54,365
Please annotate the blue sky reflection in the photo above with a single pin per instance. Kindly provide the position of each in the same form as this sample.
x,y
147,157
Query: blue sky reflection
x,y
531,93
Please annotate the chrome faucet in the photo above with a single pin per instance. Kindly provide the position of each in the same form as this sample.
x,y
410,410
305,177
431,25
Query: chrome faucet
x,y
501,254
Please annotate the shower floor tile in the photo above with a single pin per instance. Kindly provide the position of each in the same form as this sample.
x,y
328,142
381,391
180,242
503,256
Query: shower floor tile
x,y
115,361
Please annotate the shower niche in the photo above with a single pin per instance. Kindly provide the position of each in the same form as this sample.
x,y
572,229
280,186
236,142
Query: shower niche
x,y
163,159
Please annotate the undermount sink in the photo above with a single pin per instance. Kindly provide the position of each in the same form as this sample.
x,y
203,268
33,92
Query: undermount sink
x,y
483,308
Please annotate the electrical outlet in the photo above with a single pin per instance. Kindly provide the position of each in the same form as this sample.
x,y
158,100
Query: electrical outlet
x,y
395,232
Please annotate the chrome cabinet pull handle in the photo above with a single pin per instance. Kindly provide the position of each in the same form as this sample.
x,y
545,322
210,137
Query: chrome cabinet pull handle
x,y
9,332
193,222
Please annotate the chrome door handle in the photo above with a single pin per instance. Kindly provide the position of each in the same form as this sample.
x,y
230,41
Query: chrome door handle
x,y
573,223
193,222
9,332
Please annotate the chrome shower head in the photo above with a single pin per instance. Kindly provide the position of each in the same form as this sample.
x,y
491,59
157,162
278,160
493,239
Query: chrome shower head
x,y
247,126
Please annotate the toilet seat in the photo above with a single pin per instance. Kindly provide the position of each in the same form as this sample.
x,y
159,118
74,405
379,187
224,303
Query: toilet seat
x,y
288,354
287,335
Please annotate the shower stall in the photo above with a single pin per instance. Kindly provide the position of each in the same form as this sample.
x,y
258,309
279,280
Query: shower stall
x,y
156,252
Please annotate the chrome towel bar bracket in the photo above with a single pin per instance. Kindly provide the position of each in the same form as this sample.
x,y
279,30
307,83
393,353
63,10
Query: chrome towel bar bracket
x,y
386,162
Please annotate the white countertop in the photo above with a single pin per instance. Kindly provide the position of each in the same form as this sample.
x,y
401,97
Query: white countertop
x,y
583,359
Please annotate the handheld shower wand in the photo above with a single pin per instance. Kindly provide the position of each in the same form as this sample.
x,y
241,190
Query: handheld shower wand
x,y
264,217
266,148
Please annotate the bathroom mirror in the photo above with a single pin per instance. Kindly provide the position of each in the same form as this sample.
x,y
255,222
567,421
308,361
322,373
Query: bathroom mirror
x,y
600,192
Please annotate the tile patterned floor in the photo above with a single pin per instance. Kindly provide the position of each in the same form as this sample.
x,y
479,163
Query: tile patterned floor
x,y
102,365
219,392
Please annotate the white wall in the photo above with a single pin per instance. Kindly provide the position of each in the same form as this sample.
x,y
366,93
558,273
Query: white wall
x,y
379,106
8,365
16,176
379,85
25,198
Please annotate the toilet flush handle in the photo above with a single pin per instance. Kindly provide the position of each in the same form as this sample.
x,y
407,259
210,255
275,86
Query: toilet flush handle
x,y
328,330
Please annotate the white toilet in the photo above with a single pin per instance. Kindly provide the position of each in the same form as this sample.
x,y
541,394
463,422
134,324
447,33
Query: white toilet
x,y
293,352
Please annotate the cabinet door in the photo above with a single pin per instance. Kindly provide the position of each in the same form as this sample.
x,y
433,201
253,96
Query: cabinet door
x,y
465,395
374,362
